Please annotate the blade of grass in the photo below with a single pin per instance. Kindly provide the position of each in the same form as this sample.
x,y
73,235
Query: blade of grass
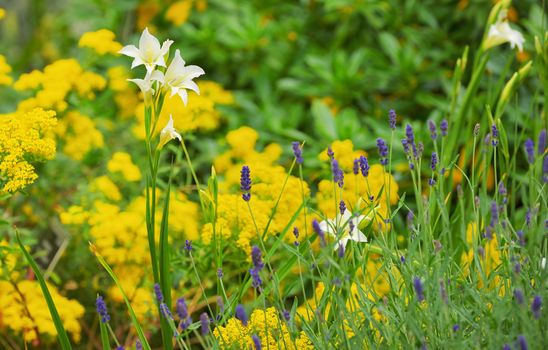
x,y
64,341
104,335
134,320
165,277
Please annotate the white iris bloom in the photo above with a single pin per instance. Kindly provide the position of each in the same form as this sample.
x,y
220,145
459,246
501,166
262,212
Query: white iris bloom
x,y
149,53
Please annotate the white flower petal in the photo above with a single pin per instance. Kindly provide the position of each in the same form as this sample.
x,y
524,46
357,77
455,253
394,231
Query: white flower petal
x,y
130,50
184,95
148,44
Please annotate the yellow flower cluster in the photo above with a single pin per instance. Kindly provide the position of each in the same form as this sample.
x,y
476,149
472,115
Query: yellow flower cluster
x,y
357,189
24,310
2,13
490,258
268,180
80,135
23,138
5,69
267,325
125,96
121,163
101,41
120,236
103,184
23,307
56,81
199,114
178,12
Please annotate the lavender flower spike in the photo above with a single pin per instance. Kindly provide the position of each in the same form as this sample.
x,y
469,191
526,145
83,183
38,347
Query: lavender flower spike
x,y
419,290
102,309
297,152
240,314
535,306
392,117
364,166
383,150
542,142
433,129
444,127
530,150
245,183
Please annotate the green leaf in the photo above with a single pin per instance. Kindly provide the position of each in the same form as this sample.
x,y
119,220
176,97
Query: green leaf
x,y
324,121
64,341
134,320
104,335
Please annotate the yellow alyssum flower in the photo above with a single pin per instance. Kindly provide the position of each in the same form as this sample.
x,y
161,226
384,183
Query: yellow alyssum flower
x,y
344,153
5,69
74,215
2,13
117,78
121,163
101,41
24,311
55,82
21,139
80,135
178,12
108,188
266,324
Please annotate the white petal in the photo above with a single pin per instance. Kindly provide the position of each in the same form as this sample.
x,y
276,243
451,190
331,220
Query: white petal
x,y
174,90
191,86
184,95
193,71
130,51
157,75
137,62
176,67
343,241
358,236
148,43
165,47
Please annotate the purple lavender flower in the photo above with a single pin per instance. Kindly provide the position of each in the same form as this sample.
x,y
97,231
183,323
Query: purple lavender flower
x,y
182,308
521,237
158,293
102,309
364,166
481,251
518,296
409,219
204,323
383,151
506,347
433,129
286,315
528,215
240,314
530,150
342,207
456,327
535,306
188,245
330,153
164,310
444,127
121,347
256,342
494,135
502,189
256,258
431,182
545,169
138,345
296,234
220,304
220,273
338,175
409,134
494,213
340,250
402,259
542,142
245,183
434,161
522,343
419,290
356,166
319,232
297,152
392,117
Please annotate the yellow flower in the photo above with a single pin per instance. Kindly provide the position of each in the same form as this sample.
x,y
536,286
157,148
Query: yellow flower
x,y
105,186
5,69
178,12
2,13
101,41
80,135
266,324
21,138
121,162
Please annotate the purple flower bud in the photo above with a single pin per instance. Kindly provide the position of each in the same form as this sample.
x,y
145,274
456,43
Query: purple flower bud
x,y
319,232
494,213
419,290
530,150
220,273
245,183
158,293
256,342
433,129
444,127
256,258
286,315
431,182
535,306
542,142
342,207
409,219
356,166
409,134
102,309
506,347
330,153
364,166
164,310
502,189
188,245
443,292
338,175
240,314
204,323
456,327
392,119
182,309
138,345
383,151
521,237
494,135
297,152
545,169
517,268
340,251
402,259
434,161
518,296
522,343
